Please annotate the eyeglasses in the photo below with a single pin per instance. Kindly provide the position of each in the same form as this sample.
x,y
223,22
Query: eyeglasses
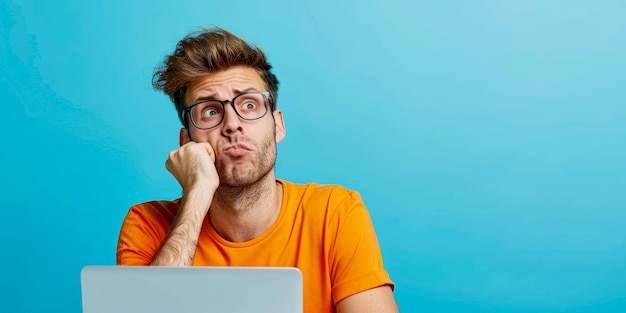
x,y
207,114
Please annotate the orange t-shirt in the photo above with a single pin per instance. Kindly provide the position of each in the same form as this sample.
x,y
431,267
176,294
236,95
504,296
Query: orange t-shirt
x,y
324,230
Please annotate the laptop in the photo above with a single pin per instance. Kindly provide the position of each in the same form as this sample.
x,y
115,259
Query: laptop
x,y
154,289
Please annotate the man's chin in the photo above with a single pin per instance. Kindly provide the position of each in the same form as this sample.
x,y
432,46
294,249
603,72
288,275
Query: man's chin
x,y
234,179
239,178
236,183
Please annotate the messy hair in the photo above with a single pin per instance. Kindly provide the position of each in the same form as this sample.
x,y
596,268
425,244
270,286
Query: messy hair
x,y
207,51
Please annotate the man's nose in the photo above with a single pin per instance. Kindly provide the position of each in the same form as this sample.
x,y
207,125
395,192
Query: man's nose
x,y
231,123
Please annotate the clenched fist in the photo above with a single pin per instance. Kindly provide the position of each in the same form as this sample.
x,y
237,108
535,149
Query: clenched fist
x,y
193,166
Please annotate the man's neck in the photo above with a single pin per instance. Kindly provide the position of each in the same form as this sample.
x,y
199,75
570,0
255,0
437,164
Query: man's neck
x,y
241,214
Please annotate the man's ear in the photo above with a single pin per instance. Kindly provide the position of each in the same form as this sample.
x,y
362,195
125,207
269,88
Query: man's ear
x,y
280,125
183,137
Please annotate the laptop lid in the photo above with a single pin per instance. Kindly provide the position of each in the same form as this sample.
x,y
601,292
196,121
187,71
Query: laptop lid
x,y
153,289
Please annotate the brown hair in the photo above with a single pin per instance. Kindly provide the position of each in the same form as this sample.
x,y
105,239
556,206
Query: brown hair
x,y
206,51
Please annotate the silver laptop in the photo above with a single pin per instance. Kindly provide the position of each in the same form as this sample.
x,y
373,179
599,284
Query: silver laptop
x,y
140,289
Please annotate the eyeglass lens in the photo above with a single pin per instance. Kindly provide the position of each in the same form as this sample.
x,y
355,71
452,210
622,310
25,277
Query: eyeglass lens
x,y
208,114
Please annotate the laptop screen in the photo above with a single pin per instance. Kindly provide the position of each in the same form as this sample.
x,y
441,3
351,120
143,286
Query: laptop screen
x,y
151,289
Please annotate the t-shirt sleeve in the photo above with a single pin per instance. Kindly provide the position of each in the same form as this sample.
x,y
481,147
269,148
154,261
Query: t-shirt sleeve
x,y
142,232
355,258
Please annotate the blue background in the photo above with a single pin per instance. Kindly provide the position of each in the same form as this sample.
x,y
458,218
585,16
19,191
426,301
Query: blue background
x,y
487,138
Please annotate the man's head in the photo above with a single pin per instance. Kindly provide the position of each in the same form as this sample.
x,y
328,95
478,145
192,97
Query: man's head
x,y
207,51
225,95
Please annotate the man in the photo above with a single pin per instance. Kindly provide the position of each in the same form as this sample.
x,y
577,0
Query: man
x,y
233,211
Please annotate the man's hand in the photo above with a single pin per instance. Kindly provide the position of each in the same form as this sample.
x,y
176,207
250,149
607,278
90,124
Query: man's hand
x,y
193,165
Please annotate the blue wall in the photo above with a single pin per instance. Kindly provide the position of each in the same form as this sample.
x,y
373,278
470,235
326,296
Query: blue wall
x,y
488,138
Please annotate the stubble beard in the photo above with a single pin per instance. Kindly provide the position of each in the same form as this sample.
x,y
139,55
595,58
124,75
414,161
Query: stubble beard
x,y
244,174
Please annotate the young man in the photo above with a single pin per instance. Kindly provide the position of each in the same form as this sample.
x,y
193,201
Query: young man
x,y
234,212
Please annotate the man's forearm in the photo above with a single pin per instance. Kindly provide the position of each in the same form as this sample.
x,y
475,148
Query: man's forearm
x,y
179,247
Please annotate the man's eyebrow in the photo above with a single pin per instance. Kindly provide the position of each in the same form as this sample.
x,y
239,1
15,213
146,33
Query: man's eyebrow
x,y
249,89
205,98
211,96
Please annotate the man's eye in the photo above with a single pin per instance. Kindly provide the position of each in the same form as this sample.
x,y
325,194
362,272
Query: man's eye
x,y
249,106
209,112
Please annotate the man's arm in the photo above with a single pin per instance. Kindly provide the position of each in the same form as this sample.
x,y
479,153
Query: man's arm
x,y
179,246
376,300
193,166
361,283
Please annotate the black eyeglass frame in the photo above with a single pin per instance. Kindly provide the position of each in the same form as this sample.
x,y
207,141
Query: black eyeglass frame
x,y
267,98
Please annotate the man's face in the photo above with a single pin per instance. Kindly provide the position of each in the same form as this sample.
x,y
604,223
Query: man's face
x,y
245,150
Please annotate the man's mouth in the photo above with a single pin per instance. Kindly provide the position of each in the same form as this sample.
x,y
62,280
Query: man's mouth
x,y
237,150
